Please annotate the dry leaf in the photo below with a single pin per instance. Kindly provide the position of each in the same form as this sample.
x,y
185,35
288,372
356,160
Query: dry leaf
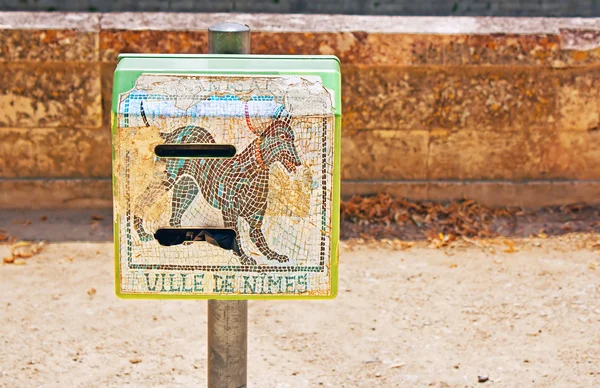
x,y
20,262
510,245
3,235
453,265
402,245
457,218
8,260
91,291
135,361
26,249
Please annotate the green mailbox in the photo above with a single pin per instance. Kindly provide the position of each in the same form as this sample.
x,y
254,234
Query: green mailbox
x,y
226,176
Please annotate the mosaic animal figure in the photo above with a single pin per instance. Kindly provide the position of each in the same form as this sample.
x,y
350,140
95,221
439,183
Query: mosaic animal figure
x,y
236,186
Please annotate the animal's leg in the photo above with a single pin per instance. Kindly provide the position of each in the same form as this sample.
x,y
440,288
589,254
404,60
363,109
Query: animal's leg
x,y
231,222
138,225
258,238
184,193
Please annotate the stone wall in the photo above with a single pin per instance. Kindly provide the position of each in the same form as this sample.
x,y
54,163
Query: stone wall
x,y
502,110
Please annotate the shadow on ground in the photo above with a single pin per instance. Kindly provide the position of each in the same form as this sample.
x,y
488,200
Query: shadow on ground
x,y
57,225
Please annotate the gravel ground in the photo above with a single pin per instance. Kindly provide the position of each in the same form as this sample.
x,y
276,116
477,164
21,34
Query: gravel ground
x,y
418,317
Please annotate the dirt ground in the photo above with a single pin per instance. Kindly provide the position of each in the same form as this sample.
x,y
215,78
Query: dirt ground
x,y
521,313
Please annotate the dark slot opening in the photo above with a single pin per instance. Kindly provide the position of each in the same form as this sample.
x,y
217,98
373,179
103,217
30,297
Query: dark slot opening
x,y
195,150
223,238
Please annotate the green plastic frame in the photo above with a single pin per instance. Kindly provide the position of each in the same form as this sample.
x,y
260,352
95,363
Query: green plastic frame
x,y
131,66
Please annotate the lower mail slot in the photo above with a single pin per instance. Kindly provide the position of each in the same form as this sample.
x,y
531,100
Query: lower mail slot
x,y
223,238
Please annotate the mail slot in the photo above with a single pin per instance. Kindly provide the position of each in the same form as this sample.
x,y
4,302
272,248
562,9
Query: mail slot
x,y
226,176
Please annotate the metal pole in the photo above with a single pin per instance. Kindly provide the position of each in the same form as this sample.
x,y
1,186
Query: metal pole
x,y
228,319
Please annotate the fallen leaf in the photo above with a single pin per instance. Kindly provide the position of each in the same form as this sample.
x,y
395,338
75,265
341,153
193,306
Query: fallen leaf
x,y
20,262
8,260
26,249
135,361
91,291
510,245
402,245
458,218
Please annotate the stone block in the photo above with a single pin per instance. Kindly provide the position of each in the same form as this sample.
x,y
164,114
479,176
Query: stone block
x,y
55,194
48,45
107,71
384,155
50,95
113,42
55,153
356,47
516,156
499,99
578,100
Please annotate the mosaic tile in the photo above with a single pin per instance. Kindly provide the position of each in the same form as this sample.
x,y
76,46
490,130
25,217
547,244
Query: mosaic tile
x,y
276,192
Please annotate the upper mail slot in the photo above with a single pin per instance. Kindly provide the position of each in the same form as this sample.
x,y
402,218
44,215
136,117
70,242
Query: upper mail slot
x,y
274,181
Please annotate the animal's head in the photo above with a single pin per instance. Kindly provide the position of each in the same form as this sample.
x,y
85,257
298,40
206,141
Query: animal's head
x,y
278,144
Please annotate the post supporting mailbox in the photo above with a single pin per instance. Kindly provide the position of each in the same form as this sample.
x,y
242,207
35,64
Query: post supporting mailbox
x,y
228,319
226,183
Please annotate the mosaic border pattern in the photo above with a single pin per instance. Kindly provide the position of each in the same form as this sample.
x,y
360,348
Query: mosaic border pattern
x,y
235,268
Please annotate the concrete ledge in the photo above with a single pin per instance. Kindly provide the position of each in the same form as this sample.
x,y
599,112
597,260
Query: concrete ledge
x,y
391,40
345,23
497,194
79,21
172,21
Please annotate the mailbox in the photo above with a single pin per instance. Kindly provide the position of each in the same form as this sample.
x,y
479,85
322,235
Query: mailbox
x,y
226,176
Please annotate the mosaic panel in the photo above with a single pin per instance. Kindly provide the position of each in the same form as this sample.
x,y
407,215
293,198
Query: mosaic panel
x,y
275,193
